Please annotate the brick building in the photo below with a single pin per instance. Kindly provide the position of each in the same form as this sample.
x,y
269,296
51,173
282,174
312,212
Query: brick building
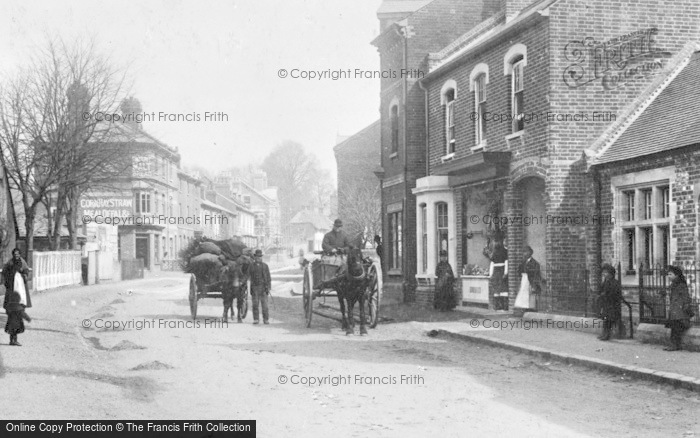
x,y
359,198
512,105
646,172
409,31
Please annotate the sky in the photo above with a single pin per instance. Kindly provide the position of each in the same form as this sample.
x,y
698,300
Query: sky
x,y
187,57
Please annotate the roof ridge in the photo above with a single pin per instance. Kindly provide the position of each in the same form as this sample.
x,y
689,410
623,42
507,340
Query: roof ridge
x,y
469,36
371,125
637,107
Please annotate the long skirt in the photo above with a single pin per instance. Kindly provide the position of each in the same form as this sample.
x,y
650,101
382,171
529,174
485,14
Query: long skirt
x,y
445,298
499,286
14,324
524,300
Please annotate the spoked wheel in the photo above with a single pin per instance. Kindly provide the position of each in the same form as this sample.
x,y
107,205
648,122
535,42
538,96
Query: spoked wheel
x,y
373,296
193,296
307,296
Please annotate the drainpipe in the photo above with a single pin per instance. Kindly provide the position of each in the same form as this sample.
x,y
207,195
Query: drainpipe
x,y
426,125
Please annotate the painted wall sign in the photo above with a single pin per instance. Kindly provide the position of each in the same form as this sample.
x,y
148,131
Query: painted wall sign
x,y
107,206
614,62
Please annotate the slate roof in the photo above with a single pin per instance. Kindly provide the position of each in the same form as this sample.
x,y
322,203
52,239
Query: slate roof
x,y
670,121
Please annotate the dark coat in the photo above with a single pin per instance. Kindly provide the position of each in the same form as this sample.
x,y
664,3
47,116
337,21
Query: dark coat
x,y
531,267
334,240
8,275
444,287
680,301
610,300
260,276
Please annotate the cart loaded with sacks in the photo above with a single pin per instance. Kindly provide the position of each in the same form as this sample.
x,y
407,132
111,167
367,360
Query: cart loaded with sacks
x,y
218,269
350,278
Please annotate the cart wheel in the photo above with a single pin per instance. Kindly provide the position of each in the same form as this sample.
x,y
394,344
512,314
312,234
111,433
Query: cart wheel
x,y
307,296
193,296
374,297
244,310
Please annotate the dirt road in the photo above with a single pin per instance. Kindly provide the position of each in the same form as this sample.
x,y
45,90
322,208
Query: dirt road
x,y
142,357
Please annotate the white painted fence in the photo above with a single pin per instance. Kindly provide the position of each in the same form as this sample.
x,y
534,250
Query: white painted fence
x,y
56,268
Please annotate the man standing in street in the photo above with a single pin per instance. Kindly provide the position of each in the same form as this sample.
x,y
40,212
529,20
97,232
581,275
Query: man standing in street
x,y
336,239
260,284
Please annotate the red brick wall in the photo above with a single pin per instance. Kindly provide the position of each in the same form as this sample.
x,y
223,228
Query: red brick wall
x,y
571,20
434,26
683,231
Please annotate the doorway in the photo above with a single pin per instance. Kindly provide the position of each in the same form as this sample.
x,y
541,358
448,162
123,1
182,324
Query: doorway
x,y
534,209
142,250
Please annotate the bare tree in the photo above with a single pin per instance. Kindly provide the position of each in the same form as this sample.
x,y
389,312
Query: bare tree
x,y
54,149
360,207
291,169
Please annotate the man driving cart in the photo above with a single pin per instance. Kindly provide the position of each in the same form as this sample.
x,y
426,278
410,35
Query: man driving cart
x,y
335,245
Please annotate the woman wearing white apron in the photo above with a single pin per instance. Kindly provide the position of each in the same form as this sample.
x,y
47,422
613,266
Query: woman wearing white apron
x,y
529,271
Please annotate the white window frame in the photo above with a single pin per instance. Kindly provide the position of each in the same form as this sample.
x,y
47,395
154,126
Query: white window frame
x,y
444,228
517,96
480,110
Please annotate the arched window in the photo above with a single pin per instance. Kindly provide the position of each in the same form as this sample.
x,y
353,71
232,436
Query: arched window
x,y
448,94
394,128
478,79
514,64
480,109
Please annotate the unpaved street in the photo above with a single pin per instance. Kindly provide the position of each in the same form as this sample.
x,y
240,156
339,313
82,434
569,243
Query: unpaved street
x,y
175,369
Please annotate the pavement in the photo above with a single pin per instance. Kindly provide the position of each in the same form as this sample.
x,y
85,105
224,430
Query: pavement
x,y
628,358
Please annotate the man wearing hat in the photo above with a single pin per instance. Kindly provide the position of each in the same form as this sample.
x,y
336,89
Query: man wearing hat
x,y
336,239
260,285
610,300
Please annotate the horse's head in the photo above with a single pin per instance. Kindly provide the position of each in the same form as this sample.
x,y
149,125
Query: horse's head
x,y
233,273
354,262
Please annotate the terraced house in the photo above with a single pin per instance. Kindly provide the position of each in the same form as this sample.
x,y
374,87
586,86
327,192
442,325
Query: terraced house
x,y
520,111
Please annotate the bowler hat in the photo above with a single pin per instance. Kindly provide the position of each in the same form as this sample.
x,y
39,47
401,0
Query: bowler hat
x,y
258,253
337,223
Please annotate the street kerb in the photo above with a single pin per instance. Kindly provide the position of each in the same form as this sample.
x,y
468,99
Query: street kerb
x,y
673,379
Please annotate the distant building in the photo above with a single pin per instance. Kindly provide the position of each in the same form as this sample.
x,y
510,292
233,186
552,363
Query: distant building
x,y
307,229
359,195
252,193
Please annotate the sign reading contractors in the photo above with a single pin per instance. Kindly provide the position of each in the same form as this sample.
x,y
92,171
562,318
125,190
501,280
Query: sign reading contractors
x,y
107,206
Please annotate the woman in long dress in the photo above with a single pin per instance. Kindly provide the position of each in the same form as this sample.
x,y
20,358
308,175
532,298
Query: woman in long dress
x,y
16,295
529,271
444,287
498,272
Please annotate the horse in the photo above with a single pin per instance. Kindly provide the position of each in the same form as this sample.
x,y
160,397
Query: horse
x,y
233,285
351,288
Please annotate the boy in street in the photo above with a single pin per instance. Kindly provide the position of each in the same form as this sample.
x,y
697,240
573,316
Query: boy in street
x,y
260,284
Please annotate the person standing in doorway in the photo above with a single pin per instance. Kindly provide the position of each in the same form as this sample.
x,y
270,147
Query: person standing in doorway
x,y
680,310
530,282
260,285
498,272
444,286
16,295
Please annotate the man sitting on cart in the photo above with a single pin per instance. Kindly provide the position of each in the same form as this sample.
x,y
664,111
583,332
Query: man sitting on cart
x,y
335,246
336,241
